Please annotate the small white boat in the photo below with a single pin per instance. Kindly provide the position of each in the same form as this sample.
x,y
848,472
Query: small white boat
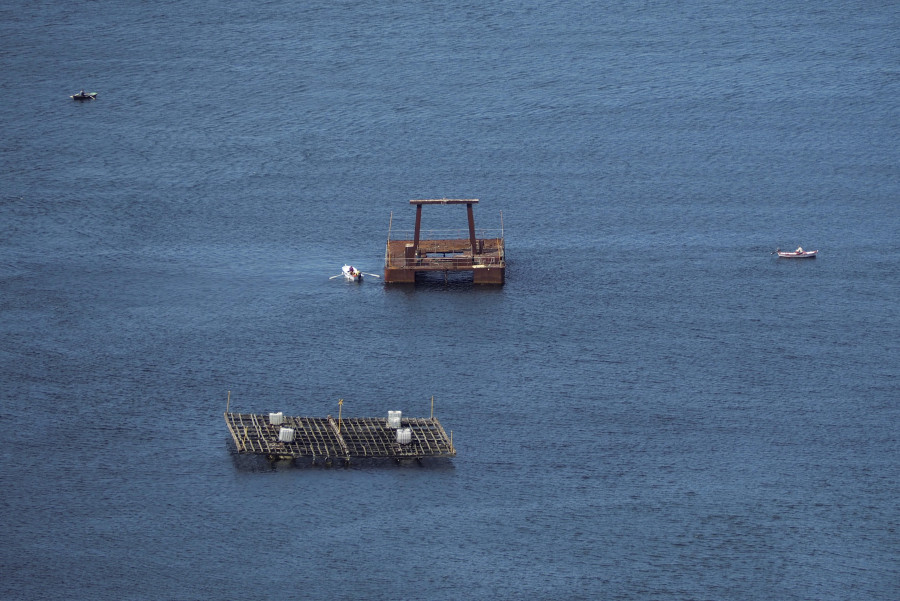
x,y
797,254
351,273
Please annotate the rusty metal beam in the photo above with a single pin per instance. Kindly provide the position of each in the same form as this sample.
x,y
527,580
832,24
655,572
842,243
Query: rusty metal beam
x,y
471,227
418,227
444,201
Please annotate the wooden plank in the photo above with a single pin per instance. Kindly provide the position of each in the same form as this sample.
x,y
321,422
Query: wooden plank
x,y
337,434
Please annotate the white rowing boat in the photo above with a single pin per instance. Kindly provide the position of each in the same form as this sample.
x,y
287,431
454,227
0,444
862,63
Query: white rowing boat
x,y
352,274
797,254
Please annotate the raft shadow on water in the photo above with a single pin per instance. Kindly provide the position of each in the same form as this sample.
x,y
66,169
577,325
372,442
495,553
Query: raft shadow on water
x,y
260,464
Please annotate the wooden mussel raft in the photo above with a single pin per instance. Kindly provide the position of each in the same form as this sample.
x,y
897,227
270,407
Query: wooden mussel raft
x,y
484,256
277,436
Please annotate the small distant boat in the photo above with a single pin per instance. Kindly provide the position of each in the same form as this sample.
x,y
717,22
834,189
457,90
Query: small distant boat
x,y
352,274
82,95
797,254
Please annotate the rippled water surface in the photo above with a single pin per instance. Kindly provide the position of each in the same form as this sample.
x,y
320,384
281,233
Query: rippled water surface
x,y
652,407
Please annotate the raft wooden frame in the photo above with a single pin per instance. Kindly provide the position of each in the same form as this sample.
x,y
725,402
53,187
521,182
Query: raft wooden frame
x,y
344,439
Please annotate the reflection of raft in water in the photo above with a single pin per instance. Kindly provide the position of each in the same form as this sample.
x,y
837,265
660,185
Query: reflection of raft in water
x,y
278,436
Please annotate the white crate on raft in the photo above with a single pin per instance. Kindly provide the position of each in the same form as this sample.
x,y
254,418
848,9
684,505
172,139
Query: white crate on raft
x,y
286,435
276,419
404,435
393,420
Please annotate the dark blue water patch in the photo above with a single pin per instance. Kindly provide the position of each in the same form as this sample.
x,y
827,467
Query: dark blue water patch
x,y
652,406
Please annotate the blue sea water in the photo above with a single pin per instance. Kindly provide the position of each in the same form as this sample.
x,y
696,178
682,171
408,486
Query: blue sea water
x,y
652,407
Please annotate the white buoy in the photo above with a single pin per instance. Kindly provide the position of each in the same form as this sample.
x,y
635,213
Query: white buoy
x,y
404,435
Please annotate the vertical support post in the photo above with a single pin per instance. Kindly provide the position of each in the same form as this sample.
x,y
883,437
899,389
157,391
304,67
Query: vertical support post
x,y
418,227
471,227
432,406
387,247
228,403
340,406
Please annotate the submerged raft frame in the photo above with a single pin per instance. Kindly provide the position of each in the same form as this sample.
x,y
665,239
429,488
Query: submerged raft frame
x,y
343,438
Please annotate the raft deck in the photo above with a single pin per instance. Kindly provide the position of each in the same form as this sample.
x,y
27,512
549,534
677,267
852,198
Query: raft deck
x,y
327,438
484,256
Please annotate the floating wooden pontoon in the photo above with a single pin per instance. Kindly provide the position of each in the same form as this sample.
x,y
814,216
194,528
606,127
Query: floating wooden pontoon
x,y
344,438
484,256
